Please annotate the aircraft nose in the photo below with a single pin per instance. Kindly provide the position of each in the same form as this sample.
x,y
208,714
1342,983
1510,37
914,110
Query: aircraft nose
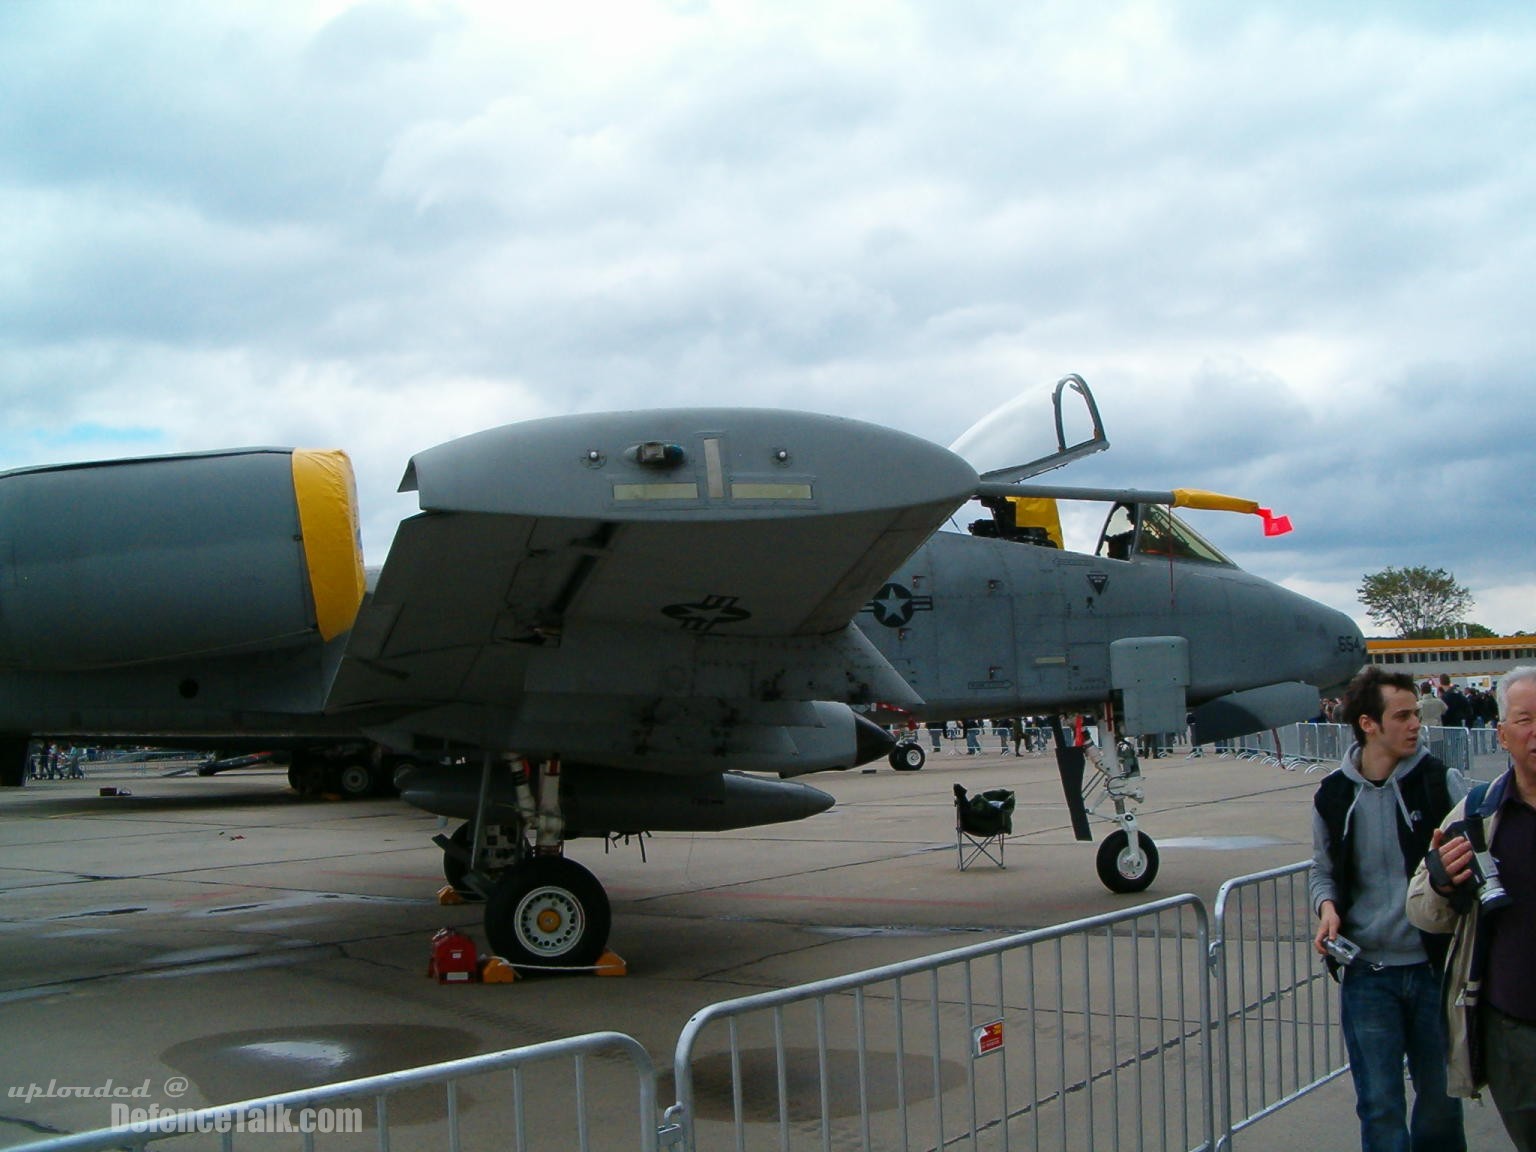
x,y
1346,655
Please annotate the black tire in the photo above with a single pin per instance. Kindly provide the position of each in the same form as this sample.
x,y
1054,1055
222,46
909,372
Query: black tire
x,y
14,747
453,867
354,779
548,912
1112,869
306,777
908,756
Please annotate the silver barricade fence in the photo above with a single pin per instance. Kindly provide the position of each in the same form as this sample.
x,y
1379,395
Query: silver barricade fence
x,y
549,1104
1092,1034
1313,746
1487,757
1474,751
1154,1027
1275,1003
1450,744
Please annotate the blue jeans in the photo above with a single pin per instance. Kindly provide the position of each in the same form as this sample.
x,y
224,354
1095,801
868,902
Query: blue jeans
x,y
1389,1013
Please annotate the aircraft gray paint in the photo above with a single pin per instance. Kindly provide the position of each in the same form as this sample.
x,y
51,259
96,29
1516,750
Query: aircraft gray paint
x,y
608,617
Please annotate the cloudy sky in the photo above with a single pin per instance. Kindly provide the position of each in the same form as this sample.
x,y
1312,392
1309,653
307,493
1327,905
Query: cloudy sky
x,y
1289,245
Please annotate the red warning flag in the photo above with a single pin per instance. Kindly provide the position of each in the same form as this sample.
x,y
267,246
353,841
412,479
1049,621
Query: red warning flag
x,y
1274,525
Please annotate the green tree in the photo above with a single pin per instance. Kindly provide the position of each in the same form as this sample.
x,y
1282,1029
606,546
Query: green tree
x,y
1417,602
1461,631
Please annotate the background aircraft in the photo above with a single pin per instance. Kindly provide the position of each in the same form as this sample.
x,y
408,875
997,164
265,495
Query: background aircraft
x,y
596,623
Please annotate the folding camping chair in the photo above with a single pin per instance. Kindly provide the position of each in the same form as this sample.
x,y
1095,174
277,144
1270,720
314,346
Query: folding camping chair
x,y
982,824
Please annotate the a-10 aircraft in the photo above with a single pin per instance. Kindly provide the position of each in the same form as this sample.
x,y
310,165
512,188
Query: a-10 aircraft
x,y
601,624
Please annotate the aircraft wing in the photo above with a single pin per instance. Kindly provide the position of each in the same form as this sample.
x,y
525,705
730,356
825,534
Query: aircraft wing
x,y
644,576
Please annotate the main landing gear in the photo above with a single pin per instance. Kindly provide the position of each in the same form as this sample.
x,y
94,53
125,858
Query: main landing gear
x,y
352,771
541,910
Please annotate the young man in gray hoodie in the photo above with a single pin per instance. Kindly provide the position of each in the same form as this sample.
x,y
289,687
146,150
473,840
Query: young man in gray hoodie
x,y
1372,819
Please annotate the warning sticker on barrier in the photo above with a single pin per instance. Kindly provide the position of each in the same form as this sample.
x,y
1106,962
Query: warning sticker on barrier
x,y
986,1038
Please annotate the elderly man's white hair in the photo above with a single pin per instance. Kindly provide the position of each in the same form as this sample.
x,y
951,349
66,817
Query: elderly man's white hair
x,y
1510,679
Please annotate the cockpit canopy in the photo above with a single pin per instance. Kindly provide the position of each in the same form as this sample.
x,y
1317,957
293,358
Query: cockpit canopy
x,y
1152,530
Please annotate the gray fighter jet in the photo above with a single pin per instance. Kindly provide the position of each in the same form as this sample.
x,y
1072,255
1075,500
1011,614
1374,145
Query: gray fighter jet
x,y
597,625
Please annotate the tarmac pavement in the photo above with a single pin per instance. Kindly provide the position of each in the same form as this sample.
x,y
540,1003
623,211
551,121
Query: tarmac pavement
x,y
223,935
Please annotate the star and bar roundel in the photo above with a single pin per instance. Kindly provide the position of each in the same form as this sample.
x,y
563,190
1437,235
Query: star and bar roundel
x,y
894,606
707,614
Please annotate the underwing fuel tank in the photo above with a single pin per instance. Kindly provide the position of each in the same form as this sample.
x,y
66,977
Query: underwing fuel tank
x,y
1257,709
601,801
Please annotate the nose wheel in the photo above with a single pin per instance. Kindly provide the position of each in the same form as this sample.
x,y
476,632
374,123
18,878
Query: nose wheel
x,y
1121,869
907,756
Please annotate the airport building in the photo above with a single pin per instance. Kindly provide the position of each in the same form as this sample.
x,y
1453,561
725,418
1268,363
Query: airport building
x,y
1475,663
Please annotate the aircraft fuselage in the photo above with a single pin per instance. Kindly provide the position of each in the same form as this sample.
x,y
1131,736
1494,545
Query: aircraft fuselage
x,y
992,627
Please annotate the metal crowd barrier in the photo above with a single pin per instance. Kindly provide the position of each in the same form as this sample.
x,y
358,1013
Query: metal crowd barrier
x,y
549,1103
987,1046
1318,747
1155,1027
1276,1005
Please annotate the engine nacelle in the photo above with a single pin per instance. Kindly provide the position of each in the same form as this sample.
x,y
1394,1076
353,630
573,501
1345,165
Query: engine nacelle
x,y
134,561
1254,710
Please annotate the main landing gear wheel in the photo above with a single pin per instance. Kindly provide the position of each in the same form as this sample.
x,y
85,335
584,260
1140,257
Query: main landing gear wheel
x,y
907,756
305,776
355,779
1114,862
548,912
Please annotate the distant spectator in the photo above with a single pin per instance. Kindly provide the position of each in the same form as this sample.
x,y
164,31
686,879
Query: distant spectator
x,y
1457,713
1004,730
972,737
1431,707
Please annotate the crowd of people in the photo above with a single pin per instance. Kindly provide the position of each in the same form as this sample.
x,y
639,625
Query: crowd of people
x,y
1442,704
57,762
1016,735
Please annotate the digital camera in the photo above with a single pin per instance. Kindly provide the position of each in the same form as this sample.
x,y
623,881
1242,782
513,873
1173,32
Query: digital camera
x,y
1342,950
1491,893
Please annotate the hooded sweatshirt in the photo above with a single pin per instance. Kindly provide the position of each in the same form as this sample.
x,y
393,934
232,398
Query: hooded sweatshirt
x,y
1373,915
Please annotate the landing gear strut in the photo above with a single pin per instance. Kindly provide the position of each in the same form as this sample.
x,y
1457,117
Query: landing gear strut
x,y
1127,859
541,910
